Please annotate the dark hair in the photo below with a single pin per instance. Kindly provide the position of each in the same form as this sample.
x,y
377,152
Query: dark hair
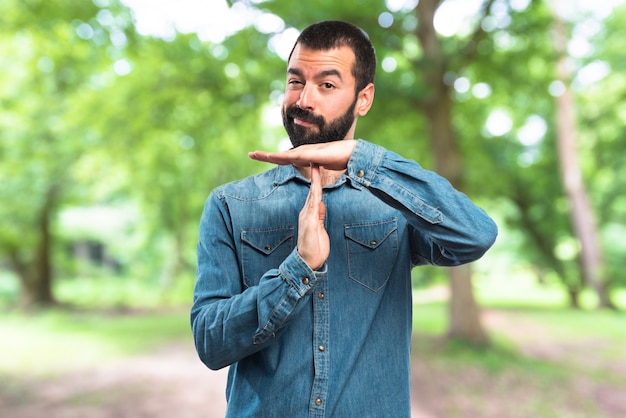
x,y
331,34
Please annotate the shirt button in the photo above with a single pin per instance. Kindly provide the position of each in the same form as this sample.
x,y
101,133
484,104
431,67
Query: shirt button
x,y
306,281
318,402
321,295
373,242
360,173
321,348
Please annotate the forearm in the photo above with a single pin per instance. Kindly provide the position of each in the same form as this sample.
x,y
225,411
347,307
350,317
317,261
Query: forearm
x,y
449,228
229,321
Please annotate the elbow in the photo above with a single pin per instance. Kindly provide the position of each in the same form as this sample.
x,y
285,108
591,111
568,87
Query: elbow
x,y
488,235
211,358
472,246
483,240
212,362
205,349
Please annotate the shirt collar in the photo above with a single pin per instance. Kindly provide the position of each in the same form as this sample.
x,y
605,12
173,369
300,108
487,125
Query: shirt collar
x,y
286,173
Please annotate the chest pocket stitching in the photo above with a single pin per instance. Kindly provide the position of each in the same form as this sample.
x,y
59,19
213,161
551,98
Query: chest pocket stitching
x,y
369,242
262,250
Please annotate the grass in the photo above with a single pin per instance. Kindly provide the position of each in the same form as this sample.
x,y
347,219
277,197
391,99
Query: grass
x,y
456,380
523,290
56,341
576,371
107,318
123,292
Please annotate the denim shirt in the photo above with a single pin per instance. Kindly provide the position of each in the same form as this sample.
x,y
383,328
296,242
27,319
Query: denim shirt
x,y
333,342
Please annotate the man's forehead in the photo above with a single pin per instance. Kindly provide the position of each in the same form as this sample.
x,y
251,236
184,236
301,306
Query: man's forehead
x,y
340,59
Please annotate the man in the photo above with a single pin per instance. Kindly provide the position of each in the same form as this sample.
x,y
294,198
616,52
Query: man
x,y
304,271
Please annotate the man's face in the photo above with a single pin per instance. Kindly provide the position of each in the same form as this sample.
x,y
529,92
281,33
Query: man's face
x,y
320,98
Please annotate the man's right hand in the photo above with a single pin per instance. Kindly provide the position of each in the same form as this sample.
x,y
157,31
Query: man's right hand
x,y
313,240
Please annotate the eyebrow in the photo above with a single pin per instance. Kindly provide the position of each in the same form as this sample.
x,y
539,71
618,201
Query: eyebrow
x,y
321,74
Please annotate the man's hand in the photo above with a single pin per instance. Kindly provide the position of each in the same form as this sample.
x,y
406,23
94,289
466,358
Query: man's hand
x,y
330,155
313,241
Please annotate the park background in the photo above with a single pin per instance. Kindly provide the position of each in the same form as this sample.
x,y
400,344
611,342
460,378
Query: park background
x,y
118,118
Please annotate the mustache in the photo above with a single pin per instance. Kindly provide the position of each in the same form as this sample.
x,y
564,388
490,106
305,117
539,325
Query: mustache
x,y
294,112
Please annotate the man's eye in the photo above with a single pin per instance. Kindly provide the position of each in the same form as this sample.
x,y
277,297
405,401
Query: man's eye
x,y
328,85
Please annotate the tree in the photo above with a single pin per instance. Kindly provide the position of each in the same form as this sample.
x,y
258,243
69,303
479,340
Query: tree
x,y
45,64
102,116
94,113
601,129
581,212
181,136
437,105
520,73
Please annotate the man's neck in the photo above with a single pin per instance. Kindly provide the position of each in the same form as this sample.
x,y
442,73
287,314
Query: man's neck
x,y
327,176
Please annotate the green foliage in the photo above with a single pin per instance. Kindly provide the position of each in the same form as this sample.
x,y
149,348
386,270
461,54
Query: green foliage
x,y
602,129
94,114
47,64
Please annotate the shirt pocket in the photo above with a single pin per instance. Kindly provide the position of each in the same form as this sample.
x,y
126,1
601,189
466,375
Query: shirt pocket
x,y
263,250
372,250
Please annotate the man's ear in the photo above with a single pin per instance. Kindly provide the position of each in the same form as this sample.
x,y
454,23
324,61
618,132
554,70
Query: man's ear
x,y
365,100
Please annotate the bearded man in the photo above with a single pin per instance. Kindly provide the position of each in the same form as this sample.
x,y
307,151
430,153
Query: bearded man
x,y
303,284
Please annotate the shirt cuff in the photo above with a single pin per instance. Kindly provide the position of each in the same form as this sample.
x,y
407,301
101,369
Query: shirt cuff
x,y
295,271
365,160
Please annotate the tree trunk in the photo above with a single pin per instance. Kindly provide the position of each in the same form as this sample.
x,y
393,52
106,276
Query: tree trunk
x,y
464,320
544,243
463,310
573,296
43,262
581,212
35,273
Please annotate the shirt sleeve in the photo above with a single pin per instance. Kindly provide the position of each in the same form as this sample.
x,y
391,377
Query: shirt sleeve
x,y
230,322
447,228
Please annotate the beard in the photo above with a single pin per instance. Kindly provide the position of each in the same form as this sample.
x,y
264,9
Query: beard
x,y
336,130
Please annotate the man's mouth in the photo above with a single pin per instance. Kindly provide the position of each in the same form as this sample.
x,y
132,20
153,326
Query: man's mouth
x,y
302,122
303,118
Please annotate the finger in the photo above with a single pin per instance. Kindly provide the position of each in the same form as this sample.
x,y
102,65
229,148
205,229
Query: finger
x,y
316,192
312,197
316,182
280,158
321,212
260,156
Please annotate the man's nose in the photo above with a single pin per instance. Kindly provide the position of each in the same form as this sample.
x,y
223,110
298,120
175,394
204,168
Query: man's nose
x,y
307,98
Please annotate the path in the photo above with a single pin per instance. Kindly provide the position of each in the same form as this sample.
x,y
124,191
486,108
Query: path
x,y
169,383
173,383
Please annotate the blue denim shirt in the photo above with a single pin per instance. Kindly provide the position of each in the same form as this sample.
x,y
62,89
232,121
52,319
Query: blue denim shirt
x,y
333,342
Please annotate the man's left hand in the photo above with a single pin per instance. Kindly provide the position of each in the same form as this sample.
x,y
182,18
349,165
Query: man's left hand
x,y
330,155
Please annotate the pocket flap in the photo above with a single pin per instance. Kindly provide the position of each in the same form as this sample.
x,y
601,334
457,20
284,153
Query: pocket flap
x,y
371,235
267,240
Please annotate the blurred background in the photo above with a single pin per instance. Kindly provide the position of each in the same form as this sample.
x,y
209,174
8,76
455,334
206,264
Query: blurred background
x,y
118,117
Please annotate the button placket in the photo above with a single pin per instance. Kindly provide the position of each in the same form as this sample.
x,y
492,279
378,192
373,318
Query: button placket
x,y
321,361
